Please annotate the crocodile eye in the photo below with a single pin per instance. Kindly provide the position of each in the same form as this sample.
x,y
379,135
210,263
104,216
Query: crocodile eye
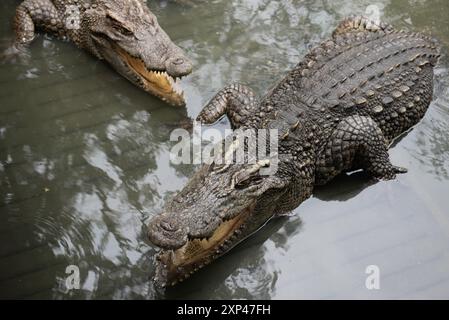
x,y
248,182
217,167
249,176
120,28
244,179
124,31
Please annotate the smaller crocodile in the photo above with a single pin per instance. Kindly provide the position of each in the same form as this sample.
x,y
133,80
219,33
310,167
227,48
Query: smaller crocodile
x,y
336,111
125,33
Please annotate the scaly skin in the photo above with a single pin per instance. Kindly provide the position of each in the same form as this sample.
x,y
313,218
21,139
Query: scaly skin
x,y
123,32
335,111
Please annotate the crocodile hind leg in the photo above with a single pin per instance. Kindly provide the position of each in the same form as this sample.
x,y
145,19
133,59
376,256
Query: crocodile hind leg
x,y
30,15
237,101
357,142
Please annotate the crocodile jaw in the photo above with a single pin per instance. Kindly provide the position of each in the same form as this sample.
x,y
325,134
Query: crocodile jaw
x,y
173,266
158,83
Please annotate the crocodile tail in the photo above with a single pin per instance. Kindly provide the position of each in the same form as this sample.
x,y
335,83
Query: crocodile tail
x,y
361,23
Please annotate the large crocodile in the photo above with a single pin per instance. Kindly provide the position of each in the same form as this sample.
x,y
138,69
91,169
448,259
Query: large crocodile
x,y
336,111
125,33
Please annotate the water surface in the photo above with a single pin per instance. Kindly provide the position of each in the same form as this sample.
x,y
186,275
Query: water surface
x,y
84,165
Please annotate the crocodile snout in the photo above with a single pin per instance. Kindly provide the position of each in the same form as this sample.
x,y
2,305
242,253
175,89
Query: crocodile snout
x,y
178,66
166,233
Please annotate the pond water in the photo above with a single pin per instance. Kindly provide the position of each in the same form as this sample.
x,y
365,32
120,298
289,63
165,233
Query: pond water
x,y
84,163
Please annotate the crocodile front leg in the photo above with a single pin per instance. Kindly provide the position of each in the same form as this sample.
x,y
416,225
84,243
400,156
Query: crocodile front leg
x,y
32,14
356,142
237,101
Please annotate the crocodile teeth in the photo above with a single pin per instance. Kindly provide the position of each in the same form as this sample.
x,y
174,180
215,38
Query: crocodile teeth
x,y
174,83
157,82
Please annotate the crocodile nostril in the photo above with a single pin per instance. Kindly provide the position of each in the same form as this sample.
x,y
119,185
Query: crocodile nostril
x,y
167,226
178,61
167,232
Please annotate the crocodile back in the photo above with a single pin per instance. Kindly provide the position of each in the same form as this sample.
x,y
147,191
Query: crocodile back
x,y
383,73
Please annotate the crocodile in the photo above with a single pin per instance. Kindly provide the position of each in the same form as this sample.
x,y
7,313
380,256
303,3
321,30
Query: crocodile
x,y
336,111
125,33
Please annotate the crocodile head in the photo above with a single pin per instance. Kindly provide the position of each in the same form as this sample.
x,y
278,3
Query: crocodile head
x,y
219,207
127,35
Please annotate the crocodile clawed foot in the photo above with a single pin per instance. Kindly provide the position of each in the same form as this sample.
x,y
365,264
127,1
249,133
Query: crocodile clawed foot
x,y
392,172
399,170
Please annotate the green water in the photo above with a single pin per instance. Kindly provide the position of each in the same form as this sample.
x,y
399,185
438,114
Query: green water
x,y
84,165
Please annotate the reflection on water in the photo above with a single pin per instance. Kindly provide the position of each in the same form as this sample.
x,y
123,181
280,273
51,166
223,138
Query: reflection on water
x,y
84,164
